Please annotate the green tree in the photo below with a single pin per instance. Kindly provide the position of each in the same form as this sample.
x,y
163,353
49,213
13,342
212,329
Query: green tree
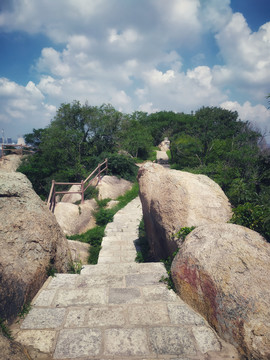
x,y
136,139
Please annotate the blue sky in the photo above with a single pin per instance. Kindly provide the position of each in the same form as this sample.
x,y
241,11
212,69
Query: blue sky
x,y
147,55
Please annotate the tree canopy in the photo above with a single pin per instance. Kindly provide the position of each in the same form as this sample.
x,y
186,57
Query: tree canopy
x,y
213,141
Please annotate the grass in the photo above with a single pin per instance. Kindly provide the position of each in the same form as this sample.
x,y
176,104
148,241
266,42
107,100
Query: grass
x,y
103,217
5,329
143,254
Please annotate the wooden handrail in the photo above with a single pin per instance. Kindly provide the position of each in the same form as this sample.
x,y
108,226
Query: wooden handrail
x,y
53,192
19,149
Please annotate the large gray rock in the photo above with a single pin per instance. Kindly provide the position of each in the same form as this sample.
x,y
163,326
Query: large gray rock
x,y
112,187
223,272
173,199
30,241
75,219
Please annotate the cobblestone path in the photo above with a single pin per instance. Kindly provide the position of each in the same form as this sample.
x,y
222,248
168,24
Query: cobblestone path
x,y
117,309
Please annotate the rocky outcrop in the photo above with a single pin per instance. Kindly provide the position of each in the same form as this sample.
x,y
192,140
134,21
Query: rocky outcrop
x,y
72,198
173,199
79,251
75,219
10,162
112,187
223,272
31,241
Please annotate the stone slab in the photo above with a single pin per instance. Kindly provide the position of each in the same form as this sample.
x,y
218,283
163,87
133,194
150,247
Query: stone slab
x,y
44,298
106,316
101,280
142,279
151,314
76,317
42,340
40,318
124,296
76,343
126,342
159,293
183,314
206,339
172,341
80,297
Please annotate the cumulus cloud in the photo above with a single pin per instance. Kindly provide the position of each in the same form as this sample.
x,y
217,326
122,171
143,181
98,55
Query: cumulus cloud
x,y
257,115
133,55
246,56
23,108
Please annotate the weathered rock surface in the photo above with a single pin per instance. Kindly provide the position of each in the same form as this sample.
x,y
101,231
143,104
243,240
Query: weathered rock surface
x,y
30,241
112,187
223,272
79,251
72,198
75,219
10,163
173,199
11,350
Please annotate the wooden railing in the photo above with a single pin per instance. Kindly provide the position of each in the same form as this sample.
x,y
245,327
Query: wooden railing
x,y
16,149
94,177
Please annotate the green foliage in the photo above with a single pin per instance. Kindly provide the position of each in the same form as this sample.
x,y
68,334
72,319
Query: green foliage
x,y
142,245
91,192
183,232
75,267
186,151
136,139
5,329
255,217
103,216
25,310
50,269
122,166
168,263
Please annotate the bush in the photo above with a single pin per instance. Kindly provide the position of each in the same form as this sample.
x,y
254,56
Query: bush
x,y
255,217
122,166
104,216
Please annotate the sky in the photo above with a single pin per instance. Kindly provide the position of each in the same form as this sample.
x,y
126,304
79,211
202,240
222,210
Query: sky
x,y
138,55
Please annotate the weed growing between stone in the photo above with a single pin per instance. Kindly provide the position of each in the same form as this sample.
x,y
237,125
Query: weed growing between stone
x,y
75,267
142,246
5,330
50,269
103,217
24,311
180,235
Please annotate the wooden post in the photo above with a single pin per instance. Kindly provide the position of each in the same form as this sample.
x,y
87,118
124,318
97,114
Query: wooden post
x,y
82,189
98,172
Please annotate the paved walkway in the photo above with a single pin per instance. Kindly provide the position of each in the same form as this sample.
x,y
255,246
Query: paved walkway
x,y
117,309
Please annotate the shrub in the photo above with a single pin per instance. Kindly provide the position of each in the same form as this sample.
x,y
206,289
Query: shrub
x,y
255,217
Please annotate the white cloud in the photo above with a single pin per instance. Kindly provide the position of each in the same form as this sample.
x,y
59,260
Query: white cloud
x,y
246,56
257,115
133,55
22,108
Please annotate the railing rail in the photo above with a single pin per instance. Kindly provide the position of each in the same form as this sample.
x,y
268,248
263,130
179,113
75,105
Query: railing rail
x,y
17,149
95,175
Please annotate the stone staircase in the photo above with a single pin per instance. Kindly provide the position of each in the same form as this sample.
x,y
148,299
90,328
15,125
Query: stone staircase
x,y
117,309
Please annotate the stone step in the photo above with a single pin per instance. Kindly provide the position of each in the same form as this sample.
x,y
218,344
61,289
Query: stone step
x,y
117,309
